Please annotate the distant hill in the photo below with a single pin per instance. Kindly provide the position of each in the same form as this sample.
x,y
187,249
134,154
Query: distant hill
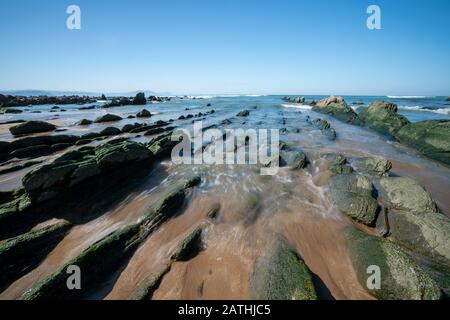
x,y
30,93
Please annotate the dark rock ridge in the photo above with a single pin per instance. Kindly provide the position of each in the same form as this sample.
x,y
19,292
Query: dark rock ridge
x,y
30,127
144,114
105,257
75,167
21,101
108,118
294,100
325,128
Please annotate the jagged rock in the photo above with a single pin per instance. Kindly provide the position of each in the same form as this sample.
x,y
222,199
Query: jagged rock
x,y
300,161
281,275
139,99
162,145
108,118
373,166
337,108
432,138
401,278
326,129
353,195
104,258
75,167
144,114
383,118
30,127
189,246
22,253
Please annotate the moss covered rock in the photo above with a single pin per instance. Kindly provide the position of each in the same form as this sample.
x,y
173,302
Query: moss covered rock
x,y
432,138
353,195
401,278
337,108
281,275
406,194
383,117
373,166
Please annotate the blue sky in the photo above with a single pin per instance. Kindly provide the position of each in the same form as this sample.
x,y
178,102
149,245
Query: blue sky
x,y
227,46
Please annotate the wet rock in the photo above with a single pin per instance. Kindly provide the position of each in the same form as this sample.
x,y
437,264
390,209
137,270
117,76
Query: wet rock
x,y
30,127
281,275
401,277
326,129
33,151
139,99
162,145
144,114
226,122
383,117
352,194
104,258
373,166
11,111
432,138
110,131
20,254
84,122
337,108
12,204
294,100
189,247
75,167
406,194
148,286
130,127
108,118
214,211
300,161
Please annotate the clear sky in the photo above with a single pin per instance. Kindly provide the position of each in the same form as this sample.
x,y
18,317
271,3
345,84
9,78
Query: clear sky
x,y
227,47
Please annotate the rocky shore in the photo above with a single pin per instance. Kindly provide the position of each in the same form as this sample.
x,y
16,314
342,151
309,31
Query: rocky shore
x,y
100,192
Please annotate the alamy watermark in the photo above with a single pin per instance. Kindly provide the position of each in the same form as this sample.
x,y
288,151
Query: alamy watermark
x,y
73,22
229,146
374,20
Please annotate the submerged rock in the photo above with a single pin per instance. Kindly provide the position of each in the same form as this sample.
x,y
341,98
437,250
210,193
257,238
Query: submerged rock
x,y
84,122
401,278
281,275
353,195
432,138
189,246
383,117
244,113
30,127
300,161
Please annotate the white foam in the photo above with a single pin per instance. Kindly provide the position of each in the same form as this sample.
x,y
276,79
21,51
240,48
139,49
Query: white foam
x,y
297,106
445,111
408,97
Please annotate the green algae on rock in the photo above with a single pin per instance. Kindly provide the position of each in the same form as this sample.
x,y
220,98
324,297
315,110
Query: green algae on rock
x,y
281,275
401,278
383,117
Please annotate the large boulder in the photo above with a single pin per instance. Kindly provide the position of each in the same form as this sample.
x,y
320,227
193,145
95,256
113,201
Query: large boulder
x,y
139,99
405,194
414,220
383,117
281,275
30,127
108,118
432,138
337,108
353,195
373,166
78,166
401,278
